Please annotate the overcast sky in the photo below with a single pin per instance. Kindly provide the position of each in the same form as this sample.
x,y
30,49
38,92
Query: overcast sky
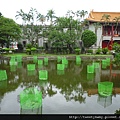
x,y
9,7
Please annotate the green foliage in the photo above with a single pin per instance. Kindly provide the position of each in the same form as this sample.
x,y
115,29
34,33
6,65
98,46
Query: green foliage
x,y
6,49
116,47
117,59
105,50
77,51
28,50
89,51
98,51
29,46
117,111
9,29
89,38
33,49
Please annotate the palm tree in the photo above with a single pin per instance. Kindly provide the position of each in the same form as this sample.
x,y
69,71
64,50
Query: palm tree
x,y
22,15
117,20
83,14
50,15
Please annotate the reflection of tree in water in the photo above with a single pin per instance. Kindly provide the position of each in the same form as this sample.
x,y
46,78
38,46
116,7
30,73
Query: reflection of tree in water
x,y
75,93
50,90
69,84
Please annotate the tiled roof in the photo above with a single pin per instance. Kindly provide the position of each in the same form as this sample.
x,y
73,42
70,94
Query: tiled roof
x,y
97,16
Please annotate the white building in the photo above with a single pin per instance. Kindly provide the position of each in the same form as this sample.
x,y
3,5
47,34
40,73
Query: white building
x,y
108,31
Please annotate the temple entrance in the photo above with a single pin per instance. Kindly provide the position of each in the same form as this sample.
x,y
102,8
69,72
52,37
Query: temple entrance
x,y
107,43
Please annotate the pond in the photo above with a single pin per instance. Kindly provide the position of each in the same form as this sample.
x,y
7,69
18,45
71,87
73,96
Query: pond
x,y
64,92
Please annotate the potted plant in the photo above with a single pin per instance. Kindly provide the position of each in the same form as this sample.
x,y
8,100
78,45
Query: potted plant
x,y
98,51
77,51
104,50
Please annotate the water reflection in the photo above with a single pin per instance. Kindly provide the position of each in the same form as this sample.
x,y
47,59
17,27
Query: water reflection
x,y
31,101
72,83
104,101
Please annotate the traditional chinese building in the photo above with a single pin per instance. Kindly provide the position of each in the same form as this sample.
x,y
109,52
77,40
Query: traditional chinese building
x,y
106,25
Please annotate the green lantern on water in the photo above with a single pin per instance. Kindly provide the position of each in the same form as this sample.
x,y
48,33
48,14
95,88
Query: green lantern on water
x,y
3,75
30,98
90,68
105,88
60,66
43,75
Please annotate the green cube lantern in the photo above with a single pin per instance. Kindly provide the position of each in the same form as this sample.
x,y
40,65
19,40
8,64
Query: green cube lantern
x,y
78,60
43,74
105,88
30,67
35,58
90,69
59,59
40,62
30,98
3,75
60,66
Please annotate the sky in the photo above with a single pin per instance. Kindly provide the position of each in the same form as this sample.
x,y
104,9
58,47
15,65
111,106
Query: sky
x,y
8,8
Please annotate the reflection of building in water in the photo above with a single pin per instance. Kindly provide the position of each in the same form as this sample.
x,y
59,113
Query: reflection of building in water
x,y
104,101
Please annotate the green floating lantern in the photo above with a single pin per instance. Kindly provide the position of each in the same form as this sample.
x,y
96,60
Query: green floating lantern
x,y
45,60
90,69
30,98
65,62
3,75
105,88
104,64
43,74
108,61
60,66
19,58
13,62
59,59
30,67
78,60
35,58
40,62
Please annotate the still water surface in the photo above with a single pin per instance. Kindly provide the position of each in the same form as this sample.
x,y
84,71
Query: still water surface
x,y
73,91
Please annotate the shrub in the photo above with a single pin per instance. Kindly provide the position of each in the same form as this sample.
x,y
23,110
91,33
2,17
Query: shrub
x,y
89,38
98,51
77,51
105,50
33,49
89,51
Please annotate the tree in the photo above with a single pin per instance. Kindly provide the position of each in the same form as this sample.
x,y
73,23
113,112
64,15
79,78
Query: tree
x,y
83,13
50,16
89,38
31,31
106,19
117,20
0,14
9,30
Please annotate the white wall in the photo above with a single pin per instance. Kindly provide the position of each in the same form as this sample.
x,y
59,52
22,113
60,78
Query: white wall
x,y
99,34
